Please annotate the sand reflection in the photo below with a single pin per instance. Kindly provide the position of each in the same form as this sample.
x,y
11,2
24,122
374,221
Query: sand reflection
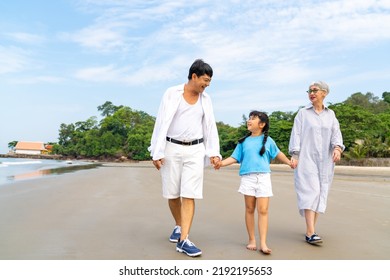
x,y
53,171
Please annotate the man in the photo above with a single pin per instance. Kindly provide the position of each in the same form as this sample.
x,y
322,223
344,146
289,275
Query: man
x,y
184,140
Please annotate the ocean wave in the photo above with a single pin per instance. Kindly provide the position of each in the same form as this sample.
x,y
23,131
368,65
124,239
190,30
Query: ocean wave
x,y
7,163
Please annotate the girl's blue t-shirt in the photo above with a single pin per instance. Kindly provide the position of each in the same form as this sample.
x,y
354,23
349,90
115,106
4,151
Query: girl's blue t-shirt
x,y
248,156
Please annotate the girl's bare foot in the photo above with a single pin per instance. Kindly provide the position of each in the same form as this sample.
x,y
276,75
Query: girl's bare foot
x,y
265,250
252,245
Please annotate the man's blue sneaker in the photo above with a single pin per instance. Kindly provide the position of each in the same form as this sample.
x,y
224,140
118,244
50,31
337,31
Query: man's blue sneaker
x,y
175,236
189,248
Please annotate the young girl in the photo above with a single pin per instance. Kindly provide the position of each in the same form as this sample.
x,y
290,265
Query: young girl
x,y
254,153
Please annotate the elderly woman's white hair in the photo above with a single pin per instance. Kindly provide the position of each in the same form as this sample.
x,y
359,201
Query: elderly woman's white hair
x,y
322,85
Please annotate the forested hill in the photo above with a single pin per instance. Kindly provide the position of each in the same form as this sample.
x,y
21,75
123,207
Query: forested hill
x,y
125,132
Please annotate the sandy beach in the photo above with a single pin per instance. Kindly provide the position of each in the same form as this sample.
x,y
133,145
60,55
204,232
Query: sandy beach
x,y
116,212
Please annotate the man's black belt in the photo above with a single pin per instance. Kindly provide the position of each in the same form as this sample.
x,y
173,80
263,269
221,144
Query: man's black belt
x,y
198,141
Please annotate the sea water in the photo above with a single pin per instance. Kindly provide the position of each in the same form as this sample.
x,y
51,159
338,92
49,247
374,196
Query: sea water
x,y
14,169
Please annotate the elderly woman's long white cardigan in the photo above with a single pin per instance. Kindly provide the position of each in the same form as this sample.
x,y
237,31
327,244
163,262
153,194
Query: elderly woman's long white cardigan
x,y
168,107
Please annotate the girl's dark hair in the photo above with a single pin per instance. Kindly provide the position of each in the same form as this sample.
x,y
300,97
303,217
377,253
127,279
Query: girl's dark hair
x,y
199,67
264,119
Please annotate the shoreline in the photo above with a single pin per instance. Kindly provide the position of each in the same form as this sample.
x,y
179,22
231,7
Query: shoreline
x,y
366,162
61,157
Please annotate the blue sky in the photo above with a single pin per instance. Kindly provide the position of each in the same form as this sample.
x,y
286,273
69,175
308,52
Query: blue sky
x,y
61,59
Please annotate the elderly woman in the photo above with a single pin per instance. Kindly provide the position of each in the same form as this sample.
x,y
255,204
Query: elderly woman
x,y
316,144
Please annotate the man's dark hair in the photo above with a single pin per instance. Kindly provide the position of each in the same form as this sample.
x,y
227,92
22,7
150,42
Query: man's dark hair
x,y
199,67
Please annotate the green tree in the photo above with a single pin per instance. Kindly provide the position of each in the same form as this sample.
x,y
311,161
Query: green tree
x,y
82,126
228,137
355,121
111,145
282,116
368,101
138,139
12,144
357,151
360,127
107,109
89,144
386,97
66,133
280,128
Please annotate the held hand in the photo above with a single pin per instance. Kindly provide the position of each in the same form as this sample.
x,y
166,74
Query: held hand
x,y
336,155
294,162
218,165
214,160
158,163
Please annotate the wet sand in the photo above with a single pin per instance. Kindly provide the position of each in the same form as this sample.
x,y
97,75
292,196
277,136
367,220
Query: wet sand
x,y
116,212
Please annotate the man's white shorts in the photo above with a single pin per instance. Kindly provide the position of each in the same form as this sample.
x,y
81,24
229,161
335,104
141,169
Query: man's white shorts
x,y
182,172
256,184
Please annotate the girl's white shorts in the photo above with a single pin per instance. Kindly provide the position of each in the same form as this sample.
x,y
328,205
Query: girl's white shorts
x,y
256,184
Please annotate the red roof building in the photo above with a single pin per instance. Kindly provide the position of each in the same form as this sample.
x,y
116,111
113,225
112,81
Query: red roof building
x,y
29,148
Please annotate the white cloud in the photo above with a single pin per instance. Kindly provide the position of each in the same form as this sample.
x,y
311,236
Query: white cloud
x,y
102,38
131,75
26,38
100,74
38,80
13,59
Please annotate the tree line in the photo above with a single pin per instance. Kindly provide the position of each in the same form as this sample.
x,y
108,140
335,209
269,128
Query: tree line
x,y
125,132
